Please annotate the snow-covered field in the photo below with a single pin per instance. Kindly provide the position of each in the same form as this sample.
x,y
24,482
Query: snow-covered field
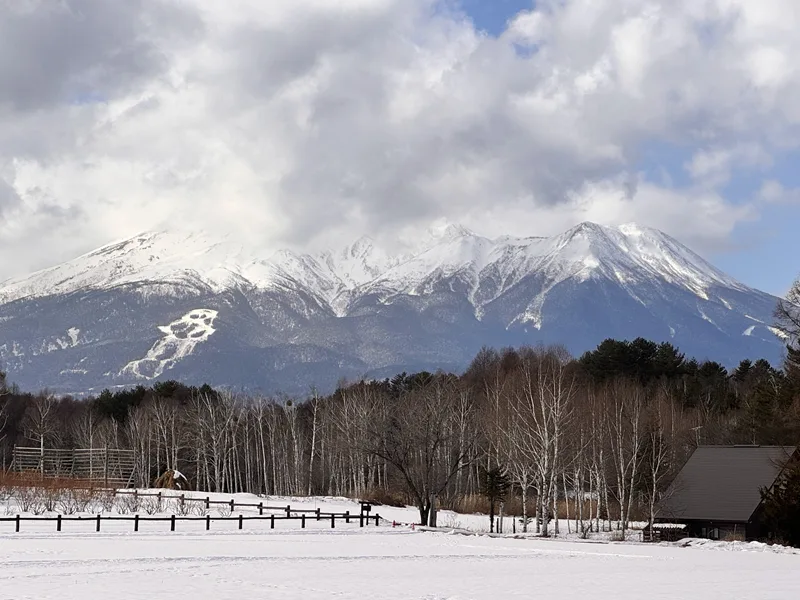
x,y
374,562
477,523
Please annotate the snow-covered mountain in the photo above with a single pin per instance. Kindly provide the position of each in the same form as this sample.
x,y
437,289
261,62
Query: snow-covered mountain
x,y
205,308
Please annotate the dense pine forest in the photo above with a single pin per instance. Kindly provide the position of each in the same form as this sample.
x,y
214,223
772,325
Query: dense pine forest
x,y
588,438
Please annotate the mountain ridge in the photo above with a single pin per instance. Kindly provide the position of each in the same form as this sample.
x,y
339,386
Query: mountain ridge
x,y
259,270
361,309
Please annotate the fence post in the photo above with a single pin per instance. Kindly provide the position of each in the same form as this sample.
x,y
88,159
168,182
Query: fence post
x,y
272,521
172,523
136,522
303,521
233,505
347,517
333,521
183,499
377,518
58,523
260,509
17,523
208,522
241,518
318,515
98,523
105,467
361,520
288,511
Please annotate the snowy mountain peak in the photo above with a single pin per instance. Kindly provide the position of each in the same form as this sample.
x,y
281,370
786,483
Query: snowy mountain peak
x,y
585,228
626,254
633,252
446,231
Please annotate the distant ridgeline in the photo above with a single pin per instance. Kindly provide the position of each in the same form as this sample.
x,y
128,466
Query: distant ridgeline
x,y
196,306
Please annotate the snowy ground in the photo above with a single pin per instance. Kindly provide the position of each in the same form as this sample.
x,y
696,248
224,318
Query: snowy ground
x,y
383,562
376,563
477,523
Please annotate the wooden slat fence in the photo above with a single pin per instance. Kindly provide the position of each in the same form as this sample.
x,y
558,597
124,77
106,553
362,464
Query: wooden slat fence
x,y
102,466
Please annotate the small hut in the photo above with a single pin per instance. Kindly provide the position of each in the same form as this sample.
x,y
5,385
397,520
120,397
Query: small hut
x,y
664,532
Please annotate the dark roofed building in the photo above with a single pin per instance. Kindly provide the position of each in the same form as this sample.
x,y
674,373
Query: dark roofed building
x,y
717,494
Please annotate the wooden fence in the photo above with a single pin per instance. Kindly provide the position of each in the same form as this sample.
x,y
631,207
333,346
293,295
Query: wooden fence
x,y
101,466
287,513
208,502
173,519
183,499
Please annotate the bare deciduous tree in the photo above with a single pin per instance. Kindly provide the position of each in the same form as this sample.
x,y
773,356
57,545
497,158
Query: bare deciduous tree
x,y
3,408
418,439
624,403
3,421
40,424
787,314
542,407
660,423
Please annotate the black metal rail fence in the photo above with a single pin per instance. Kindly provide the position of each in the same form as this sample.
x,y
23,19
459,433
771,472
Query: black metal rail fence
x,y
286,513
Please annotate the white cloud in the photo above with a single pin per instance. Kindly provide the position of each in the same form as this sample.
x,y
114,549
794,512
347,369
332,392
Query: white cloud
x,y
697,216
303,122
774,192
713,167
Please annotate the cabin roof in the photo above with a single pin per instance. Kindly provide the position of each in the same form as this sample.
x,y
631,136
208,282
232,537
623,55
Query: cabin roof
x,y
723,483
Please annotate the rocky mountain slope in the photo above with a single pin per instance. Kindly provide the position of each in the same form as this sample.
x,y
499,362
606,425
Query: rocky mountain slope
x,y
202,308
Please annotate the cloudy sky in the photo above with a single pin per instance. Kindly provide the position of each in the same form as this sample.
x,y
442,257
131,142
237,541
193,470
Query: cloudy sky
x,y
306,123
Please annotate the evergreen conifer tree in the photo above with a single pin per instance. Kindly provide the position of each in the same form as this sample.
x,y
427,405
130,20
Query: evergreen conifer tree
x,y
782,507
495,487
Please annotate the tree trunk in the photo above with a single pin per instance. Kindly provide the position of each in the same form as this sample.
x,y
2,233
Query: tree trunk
x,y
544,509
432,512
313,446
500,520
424,511
525,507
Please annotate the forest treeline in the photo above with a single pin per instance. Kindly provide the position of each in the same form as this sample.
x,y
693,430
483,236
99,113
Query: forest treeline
x,y
591,438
